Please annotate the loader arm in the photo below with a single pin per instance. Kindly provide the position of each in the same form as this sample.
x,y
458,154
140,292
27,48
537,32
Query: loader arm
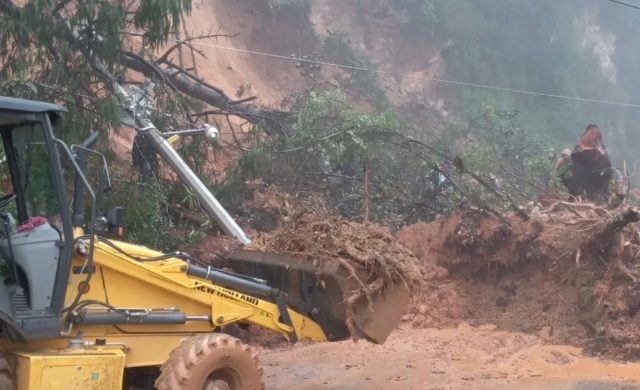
x,y
202,298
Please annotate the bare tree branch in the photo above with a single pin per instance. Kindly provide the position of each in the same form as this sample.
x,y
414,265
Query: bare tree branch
x,y
149,67
245,100
233,133
181,70
459,164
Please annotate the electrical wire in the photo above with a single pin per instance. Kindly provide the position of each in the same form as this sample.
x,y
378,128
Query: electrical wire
x,y
625,4
92,98
424,78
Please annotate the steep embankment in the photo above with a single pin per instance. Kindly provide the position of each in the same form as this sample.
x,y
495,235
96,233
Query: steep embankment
x,y
379,34
492,278
363,34
249,26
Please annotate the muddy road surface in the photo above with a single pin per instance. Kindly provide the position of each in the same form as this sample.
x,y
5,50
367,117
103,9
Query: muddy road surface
x,y
466,357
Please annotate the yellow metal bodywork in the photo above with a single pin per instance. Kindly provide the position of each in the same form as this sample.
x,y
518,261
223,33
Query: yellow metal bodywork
x,y
99,369
124,282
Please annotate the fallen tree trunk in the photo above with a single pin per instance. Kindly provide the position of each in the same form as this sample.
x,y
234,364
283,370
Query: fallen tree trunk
x,y
272,121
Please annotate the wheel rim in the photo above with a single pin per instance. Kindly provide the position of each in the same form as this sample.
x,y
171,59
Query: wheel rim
x,y
223,379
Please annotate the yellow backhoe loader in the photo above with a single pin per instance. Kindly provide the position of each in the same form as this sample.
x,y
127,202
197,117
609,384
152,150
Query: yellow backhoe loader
x,y
78,308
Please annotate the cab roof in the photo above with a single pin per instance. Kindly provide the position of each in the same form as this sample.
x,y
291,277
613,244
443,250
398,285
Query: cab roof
x,y
24,105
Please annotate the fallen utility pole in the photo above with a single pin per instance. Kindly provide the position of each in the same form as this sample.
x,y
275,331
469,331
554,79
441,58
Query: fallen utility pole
x,y
209,203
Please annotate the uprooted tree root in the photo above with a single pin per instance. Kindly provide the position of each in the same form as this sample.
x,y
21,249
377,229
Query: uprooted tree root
x,y
367,251
572,267
472,239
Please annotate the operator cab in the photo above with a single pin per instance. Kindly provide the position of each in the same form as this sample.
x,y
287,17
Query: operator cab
x,y
35,221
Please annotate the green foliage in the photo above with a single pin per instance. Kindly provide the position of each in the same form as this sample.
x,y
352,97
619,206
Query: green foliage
x,y
500,129
538,169
367,84
44,52
159,18
146,218
42,62
502,149
256,162
331,132
332,147
422,14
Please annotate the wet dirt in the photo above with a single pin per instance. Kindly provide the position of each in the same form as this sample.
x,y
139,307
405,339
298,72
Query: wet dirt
x,y
464,357
564,276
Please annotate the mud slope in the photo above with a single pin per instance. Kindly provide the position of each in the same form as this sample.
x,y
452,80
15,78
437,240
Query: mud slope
x,y
567,274
376,31
250,27
374,34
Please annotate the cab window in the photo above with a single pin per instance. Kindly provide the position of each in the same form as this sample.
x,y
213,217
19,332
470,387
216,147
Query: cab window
x,y
34,173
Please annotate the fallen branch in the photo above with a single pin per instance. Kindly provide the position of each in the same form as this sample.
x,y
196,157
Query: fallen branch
x,y
459,164
273,122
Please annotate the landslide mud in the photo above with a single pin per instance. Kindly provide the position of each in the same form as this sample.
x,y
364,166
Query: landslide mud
x,y
568,275
563,275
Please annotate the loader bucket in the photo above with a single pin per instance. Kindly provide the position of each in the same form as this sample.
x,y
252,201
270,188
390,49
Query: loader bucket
x,y
320,292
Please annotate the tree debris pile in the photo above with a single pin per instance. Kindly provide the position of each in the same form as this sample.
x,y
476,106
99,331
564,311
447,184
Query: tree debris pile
x,y
370,254
570,273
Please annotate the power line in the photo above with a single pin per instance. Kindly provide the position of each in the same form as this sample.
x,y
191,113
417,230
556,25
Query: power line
x,y
431,79
625,4
71,93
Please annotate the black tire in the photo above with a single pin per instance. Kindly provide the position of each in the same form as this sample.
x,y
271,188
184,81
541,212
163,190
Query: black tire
x,y
211,362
